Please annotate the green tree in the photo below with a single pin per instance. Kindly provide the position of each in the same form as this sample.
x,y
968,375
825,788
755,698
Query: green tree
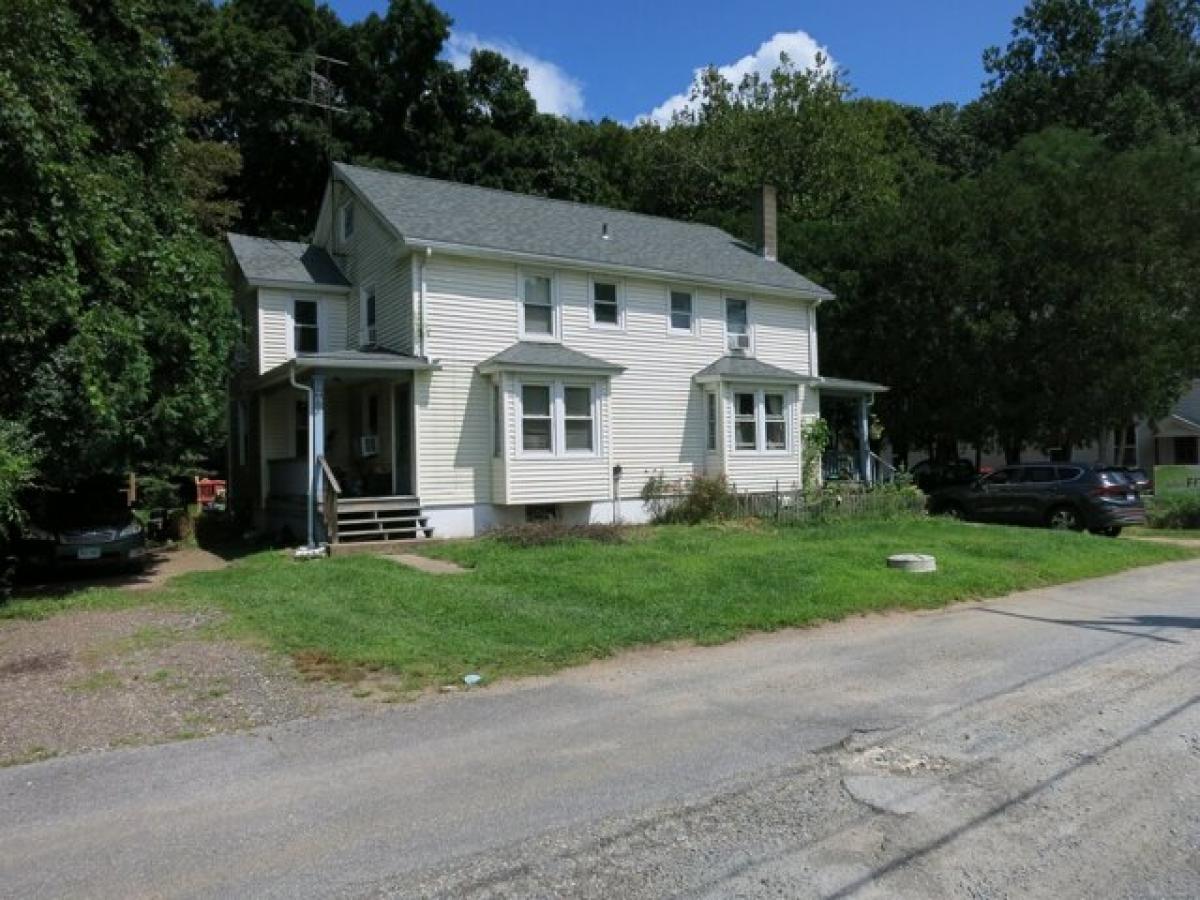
x,y
115,320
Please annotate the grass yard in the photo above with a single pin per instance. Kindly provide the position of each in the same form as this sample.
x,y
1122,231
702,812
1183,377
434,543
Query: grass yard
x,y
525,611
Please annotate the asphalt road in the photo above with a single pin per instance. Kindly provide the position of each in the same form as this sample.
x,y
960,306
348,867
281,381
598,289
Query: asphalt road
x,y
1046,745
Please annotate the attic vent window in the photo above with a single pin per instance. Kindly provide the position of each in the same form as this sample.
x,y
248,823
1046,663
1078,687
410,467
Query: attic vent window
x,y
604,231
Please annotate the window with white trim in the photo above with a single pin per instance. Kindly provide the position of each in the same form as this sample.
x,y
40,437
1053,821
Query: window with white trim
x,y
579,426
745,422
537,305
366,313
760,421
710,410
497,422
774,422
346,220
606,304
537,418
306,329
737,324
682,315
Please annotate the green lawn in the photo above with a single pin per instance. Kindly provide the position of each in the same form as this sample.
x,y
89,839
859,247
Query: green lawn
x,y
523,611
1190,534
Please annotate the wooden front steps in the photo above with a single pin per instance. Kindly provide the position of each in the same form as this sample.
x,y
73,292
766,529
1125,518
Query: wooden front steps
x,y
375,522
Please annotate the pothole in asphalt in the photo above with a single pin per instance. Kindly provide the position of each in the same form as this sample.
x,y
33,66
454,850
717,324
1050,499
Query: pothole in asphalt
x,y
892,780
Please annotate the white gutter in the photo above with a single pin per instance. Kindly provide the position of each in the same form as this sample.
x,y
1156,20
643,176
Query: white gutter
x,y
312,501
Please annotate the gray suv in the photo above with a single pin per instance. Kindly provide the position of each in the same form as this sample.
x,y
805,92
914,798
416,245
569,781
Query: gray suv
x,y
1069,496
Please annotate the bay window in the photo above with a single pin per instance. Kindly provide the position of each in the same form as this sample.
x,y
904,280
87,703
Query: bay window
x,y
537,422
760,421
558,419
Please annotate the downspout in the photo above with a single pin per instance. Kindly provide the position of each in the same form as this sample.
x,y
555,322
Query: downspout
x,y
311,548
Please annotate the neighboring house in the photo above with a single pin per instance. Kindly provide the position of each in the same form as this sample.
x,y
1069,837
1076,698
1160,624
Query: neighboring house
x,y
476,357
1172,440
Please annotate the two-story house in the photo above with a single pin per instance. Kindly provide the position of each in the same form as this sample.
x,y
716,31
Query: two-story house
x,y
444,358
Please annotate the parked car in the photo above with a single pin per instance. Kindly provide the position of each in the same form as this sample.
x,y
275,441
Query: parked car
x,y
1138,476
82,529
1069,496
930,476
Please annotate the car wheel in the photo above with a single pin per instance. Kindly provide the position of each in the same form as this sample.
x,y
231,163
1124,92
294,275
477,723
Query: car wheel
x,y
1064,518
1114,531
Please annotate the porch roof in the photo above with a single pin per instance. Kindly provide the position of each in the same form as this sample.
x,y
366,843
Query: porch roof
x,y
360,362
747,368
848,387
547,357
1176,425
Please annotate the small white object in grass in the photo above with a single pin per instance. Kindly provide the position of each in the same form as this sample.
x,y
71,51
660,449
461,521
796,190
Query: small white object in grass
x,y
912,562
473,678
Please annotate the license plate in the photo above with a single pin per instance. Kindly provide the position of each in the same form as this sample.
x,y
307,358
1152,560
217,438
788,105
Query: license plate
x,y
88,553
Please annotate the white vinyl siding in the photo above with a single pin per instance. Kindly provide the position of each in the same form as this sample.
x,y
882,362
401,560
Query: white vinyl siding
x,y
276,325
653,411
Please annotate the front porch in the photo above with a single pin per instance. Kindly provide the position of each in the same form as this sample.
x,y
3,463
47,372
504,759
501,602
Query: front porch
x,y
338,450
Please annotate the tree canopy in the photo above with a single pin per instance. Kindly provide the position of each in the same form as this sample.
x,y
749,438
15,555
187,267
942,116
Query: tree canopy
x,y
1021,268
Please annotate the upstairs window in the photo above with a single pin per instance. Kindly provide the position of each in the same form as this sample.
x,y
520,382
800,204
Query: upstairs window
x,y
367,334
537,422
306,330
606,307
578,421
682,316
737,324
537,306
346,220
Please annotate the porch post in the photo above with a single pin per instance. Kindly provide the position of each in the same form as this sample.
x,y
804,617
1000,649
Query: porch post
x,y
864,439
316,423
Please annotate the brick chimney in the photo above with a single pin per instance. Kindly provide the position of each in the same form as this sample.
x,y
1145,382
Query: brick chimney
x,y
766,231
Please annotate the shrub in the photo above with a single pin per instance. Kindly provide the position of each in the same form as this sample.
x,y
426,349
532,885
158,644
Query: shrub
x,y
1175,511
541,534
18,466
697,499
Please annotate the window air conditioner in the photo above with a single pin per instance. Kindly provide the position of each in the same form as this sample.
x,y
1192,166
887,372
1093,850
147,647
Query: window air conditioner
x,y
739,342
368,445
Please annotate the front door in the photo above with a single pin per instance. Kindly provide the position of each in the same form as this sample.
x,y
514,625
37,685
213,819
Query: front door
x,y
402,445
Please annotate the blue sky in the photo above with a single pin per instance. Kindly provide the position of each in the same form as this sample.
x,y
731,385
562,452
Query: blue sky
x,y
625,59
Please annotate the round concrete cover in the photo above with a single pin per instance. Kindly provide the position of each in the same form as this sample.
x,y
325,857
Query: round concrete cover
x,y
912,562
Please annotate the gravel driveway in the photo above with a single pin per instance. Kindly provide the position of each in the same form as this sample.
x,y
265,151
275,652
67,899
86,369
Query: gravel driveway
x,y
1046,745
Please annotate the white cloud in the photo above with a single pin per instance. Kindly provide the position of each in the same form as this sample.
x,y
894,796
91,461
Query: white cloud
x,y
799,46
552,89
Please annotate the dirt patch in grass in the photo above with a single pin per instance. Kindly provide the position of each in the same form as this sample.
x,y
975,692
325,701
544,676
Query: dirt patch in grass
x,y
109,678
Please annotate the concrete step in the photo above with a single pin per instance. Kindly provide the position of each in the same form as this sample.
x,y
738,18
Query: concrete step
x,y
382,546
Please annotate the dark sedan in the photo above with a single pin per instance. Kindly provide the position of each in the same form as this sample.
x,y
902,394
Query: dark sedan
x,y
87,538
1068,496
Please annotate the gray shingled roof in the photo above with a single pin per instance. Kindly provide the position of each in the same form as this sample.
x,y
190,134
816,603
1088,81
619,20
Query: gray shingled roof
x,y
263,259
534,354
747,367
444,211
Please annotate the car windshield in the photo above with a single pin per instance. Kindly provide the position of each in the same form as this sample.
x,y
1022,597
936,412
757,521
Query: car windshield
x,y
1114,477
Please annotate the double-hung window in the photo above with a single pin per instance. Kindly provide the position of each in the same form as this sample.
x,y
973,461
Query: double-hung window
x,y
537,418
537,305
760,420
682,314
745,421
710,412
774,422
558,419
606,304
737,324
306,331
367,334
346,219
578,424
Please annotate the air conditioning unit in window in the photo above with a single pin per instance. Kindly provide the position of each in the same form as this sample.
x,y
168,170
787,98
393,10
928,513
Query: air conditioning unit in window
x,y
739,342
368,445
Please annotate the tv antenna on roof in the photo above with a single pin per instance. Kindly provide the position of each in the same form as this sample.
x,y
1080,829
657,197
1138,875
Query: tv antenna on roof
x,y
323,92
